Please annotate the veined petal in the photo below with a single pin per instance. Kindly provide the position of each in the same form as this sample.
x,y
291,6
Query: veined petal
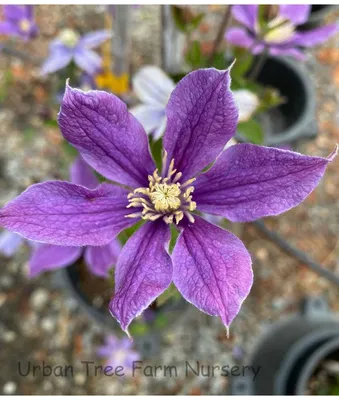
x,y
46,257
108,137
59,57
248,182
87,60
246,14
100,259
150,117
212,269
296,13
82,174
240,37
201,118
10,243
287,51
94,39
152,86
314,37
143,272
62,213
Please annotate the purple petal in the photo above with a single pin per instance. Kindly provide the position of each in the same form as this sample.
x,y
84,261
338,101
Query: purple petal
x,y
87,60
315,36
240,37
212,269
47,257
249,182
201,118
287,51
10,243
94,39
100,259
246,14
150,117
108,137
9,29
82,174
143,272
296,13
59,57
14,12
62,213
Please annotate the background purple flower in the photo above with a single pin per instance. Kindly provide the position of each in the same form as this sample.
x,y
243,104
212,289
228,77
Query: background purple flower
x,y
279,35
19,21
70,46
10,243
209,265
99,259
118,352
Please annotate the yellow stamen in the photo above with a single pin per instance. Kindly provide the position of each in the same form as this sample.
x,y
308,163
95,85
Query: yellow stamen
x,y
164,197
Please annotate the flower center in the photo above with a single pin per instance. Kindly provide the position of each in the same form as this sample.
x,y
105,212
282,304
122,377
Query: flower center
x,y
25,25
280,30
69,37
165,197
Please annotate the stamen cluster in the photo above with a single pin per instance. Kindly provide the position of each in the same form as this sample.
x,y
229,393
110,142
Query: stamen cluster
x,y
165,197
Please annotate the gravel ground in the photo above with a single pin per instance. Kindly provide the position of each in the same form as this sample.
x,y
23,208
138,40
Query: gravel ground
x,y
41,322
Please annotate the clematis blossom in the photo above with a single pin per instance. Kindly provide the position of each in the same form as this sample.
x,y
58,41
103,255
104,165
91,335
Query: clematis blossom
x,y
70,46
279,35
99,259
153,87
18,21
118,353
209,265
10,243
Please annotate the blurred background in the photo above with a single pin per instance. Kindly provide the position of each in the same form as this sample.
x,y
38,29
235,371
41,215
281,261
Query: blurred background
x,y
44,319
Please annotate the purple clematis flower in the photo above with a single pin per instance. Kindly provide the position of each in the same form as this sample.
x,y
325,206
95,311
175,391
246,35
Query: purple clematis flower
x,y
279,35
70,46
19,21
209,265
153,87
10,243
118,353
99,259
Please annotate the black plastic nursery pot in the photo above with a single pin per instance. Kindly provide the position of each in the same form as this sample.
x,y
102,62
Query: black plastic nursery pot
x,y
79,284
295,119
292,352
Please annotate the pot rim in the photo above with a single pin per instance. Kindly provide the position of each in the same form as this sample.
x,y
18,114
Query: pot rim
x,y
105,320
302,124
295,351
314,360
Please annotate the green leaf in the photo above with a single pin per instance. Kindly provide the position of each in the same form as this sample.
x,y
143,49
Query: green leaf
x,y
160,321
170,292
178,15
252,131
195,22
184,21
138,329
69,149
194,56
219,61
244,60
52,123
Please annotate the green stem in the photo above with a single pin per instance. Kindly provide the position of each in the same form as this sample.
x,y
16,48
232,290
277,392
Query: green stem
x,y
223,26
